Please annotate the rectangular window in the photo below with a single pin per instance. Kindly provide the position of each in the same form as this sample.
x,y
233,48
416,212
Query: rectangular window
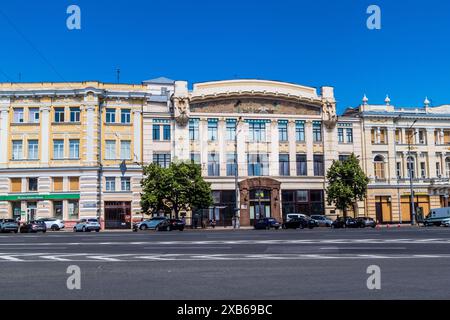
x,y
125,150
423,170
162,159
58,184
33,115
125,183
438,170
74,183
341,135
74,149
59,114
317,131
156,132
110,115
349,132
212,129
318,166
343,157
231,164
58,208
58,149
74,209
398,170
231,129
300,131
213,165
166,132
17,152
110,184
125,116
195,158
302,196
283,162
257,131
258,165
302,167
16,185
282,130
74,114
32,184
18,115
422,137
193,129
33,149
110,152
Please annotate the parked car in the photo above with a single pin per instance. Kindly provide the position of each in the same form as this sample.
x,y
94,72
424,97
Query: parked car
x,y
33,226
52,223
445,223
366,222
290,216
151,224
171,224
296,223
267,223
345,223
323,221
87,225
9,225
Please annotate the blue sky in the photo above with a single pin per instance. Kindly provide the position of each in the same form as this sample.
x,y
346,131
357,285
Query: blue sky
x,y
320,42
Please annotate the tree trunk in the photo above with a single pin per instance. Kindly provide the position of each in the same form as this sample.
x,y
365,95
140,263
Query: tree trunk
x,y
356,209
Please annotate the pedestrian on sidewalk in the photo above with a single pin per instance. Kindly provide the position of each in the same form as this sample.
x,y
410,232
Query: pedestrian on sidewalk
x,y
213,223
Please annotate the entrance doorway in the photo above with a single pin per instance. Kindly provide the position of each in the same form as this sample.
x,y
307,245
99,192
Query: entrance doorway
x,y
259,204
383,209
117,215
31,210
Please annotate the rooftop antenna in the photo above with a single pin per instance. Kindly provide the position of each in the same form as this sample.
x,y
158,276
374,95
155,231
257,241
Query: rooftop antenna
x,y
118,75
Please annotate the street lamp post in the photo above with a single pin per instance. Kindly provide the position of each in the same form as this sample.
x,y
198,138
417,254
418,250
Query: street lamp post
x,y
236,176
410,162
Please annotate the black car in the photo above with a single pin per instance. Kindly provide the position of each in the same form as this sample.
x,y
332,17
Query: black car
x,y
9,225
267,223
171,224
33,226
296,223
345,223
366,222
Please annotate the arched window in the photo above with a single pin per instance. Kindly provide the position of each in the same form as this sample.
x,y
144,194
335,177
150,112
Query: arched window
x,y
410,162
379,166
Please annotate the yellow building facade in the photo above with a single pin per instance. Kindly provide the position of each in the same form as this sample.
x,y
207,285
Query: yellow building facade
x,y
71,150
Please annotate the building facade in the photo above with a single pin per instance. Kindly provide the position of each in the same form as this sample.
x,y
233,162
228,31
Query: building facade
x,y
404,147
71,150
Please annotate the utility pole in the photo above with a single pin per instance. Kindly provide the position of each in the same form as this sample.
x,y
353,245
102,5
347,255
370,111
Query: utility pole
x,y
118,75
236,175
411,187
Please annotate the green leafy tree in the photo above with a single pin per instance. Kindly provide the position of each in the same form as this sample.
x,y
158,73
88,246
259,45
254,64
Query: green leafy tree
x,y
180,187
347,184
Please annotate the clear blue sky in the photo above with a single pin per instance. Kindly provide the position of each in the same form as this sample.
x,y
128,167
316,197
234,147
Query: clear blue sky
x,y
315,42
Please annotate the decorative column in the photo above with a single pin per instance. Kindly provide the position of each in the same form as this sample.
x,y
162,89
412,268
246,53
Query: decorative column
x,y
137,126
203,141
45,134
292,148
221,148
90,134
4,131
309,148
274,149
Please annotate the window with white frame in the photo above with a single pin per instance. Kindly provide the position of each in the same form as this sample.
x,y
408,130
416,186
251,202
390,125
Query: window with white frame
x,y
18,115
125,150
59,115
379,167
110,115
74,149
125,116
33,115
75,114
17,151
110,150
33,149
58,149
125,183
110,183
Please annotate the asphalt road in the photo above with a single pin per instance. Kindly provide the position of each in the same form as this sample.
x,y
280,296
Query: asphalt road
x,y
244,264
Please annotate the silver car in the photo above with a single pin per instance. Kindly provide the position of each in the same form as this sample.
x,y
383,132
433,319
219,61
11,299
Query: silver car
x,y
87,225
322,220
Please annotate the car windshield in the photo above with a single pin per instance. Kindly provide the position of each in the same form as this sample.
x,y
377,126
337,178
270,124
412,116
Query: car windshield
x,y
154,222
93,220
8,220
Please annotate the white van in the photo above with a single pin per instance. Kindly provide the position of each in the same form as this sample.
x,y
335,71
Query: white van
x,y
437,217
291,216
